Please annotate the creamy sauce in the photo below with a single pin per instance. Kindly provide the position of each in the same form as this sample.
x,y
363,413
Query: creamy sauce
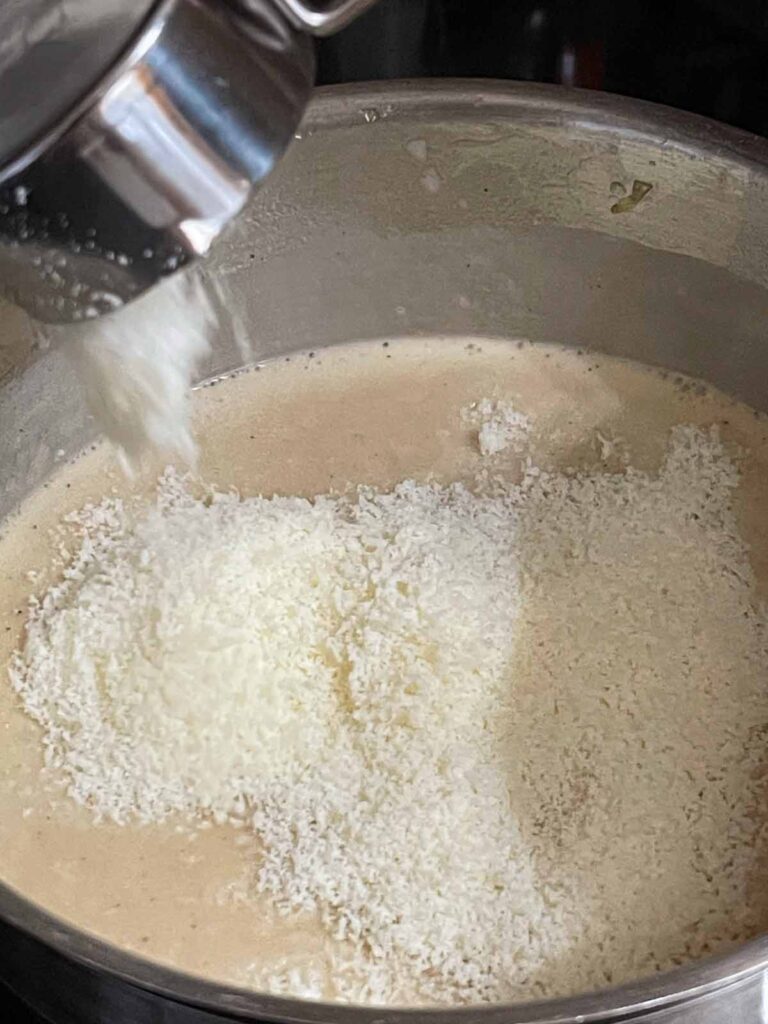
x,y
374,413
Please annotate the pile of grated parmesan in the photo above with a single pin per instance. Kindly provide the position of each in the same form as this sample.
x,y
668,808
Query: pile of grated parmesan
x,y
499,426
505,743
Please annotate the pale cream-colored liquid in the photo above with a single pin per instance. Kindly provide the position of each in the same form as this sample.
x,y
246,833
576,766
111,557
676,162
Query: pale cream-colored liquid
x,y
360,414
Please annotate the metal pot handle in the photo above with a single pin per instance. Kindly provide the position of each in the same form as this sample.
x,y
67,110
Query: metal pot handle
x,y
322,17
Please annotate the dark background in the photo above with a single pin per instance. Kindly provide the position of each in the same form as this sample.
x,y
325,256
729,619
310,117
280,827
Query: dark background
x,y
706,56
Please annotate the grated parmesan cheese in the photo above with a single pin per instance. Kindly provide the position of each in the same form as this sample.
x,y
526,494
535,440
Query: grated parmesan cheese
x,y
504,743
500,426
137,366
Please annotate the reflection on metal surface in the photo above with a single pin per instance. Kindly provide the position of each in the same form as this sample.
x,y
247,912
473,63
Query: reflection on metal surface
x,y
52,52
164,153
138,125
322,17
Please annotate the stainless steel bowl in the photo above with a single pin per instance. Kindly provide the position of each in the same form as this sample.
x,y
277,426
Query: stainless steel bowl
x,y
447,208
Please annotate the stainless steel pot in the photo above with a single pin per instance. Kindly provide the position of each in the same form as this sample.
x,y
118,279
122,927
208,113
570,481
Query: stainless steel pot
x,y
466,207
132,133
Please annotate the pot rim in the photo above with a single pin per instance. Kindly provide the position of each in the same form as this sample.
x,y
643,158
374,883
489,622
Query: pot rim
x,y
414,101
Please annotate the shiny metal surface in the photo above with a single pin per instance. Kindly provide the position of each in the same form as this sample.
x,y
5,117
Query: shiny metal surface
x,y
52,52
155,159
321,17
517,231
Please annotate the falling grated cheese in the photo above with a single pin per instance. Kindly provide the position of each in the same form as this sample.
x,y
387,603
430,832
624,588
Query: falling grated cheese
x,y
137,366
505,744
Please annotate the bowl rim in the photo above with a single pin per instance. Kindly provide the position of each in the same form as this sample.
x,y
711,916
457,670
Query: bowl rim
x,y
430,101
